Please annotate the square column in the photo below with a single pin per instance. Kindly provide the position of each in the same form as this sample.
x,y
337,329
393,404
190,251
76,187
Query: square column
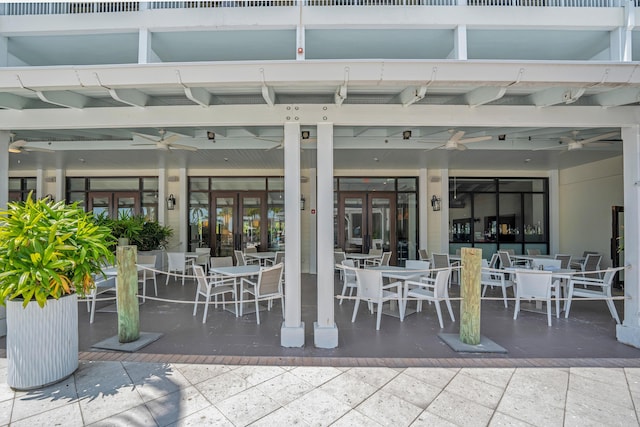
x,y
292,331
629,331
325,331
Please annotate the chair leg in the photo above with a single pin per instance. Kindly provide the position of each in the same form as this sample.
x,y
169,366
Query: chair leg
x,y
167,281
144,286
504,296
155,283
93,308
612,309
549,311
439,314
344,290
206,307
355,310
453,319
567,305
379,317
255,300
517,309
195,305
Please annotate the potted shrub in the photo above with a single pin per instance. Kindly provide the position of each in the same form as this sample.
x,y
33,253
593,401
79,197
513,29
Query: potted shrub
x,y
50,253
127,228
152,240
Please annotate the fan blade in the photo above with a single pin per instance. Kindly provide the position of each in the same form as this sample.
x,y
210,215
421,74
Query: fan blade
x,y
42,150
475,139
567,140
457,136
599,137
461,147
181,147
170,140
147,137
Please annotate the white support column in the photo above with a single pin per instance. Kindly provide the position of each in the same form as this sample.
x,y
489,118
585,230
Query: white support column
x,y
144,38
620,39
312,202
5,140
629,331
460,42
444,210
40,183
183,210
554,212
423,209
325,331
60,184
292,331
301,44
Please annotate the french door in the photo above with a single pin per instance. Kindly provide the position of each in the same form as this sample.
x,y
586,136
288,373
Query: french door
x,y
114,204
366,221
240,221
617,244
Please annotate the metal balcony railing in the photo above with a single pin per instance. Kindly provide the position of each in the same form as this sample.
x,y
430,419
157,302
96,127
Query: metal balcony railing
x,y
56,8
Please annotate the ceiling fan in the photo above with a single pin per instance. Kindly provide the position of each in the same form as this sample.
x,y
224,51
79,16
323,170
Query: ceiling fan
x,y
574,143
279,144
456,142
20,146
165,142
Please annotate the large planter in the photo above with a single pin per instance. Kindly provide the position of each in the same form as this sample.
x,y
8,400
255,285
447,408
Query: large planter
x,y
42,343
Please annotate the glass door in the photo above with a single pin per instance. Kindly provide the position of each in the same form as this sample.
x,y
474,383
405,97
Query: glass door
x,y
366,221
617,242
239,221
253,208
114,204
224,208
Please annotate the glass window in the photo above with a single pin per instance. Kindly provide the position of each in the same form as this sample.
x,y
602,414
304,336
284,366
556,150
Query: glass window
x,y
407,227
521,185
150,184
75,184
367,184
15,184
196,184
407,184
275,215
275,184
239,184
114,184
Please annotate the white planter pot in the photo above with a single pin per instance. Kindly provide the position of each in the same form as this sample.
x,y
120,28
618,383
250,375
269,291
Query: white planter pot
x,y
42,343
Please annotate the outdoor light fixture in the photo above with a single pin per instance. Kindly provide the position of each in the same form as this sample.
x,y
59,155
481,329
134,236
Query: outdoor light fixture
x,y
171,202
435,203
211,136
305,134
302,200
406,134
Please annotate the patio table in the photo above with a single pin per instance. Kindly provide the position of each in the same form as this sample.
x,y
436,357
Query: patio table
x,y
398,273
262,257
237,272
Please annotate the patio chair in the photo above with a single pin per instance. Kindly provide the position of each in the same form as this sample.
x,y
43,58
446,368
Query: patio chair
x,y
490,276
338,257
220,261
277,259
267,287
535,285
591,287
212,287
565,260
349,280
533,252
439,261
178,264
203,258
591,263
144,274
578,263
240,260
102,285
432,290
250,260
423,254
370,288
383,260
418,265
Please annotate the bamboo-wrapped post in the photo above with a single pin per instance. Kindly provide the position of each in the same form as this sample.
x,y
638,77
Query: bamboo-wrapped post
x,y
470,293
127,288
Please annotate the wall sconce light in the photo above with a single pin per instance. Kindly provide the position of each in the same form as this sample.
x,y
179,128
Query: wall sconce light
x,y
302,201
305,134
171,202
406,134
435,203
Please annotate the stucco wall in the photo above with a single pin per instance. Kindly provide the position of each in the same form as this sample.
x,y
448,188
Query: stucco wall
x,y
587,194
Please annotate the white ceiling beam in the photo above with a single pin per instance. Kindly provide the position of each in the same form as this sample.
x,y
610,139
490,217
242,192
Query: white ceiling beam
x,y
63,98
269,95
199,95
411,95
132,97
555,96
340,95
13,102
163,117
484,95
616,97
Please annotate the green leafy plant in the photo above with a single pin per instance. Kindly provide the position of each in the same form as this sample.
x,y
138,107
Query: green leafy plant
x,y
127,226
152,236
49,249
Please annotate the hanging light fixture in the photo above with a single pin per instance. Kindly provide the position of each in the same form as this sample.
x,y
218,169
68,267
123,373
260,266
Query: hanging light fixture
x,y
435,203
171,202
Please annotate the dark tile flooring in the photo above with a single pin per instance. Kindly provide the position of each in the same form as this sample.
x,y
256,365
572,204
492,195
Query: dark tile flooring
x,y
589,333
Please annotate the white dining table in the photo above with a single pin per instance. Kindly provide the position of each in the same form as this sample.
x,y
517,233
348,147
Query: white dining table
x,y
360,257
238,272
262,257
402,274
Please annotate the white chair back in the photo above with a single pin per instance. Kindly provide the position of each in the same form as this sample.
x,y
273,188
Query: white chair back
x,y
239,257
417,264
505,260
424,255
533,284
565,260
441,288
177,261
221,261
269,281
386,257
349,273
369,284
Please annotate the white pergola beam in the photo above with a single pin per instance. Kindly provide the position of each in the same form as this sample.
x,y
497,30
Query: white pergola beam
x,y
340,95
63,99
199,95
555,96
132,97
269,95
616,97
484,95
411,95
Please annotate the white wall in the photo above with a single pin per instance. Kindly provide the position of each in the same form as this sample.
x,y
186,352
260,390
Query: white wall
x,y
586,195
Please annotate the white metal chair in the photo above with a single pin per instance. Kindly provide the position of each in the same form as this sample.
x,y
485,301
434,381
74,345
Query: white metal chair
x,y
220,261
277,259
144,274
432,290
383,260
240,260
415,264
267,287
592,287
439,261
534,285
370,288
203,258
250,260
565,260
490,276
533,252
338,257
102,285
349,280
178,264
591,263
424,255
209,287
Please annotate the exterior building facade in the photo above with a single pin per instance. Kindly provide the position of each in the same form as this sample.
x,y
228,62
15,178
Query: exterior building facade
x,y
321,124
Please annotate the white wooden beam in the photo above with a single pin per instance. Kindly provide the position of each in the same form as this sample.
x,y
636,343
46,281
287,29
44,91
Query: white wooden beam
x,y
13,102
63,98
340,95
556,95
620,96
411,95
269,95
199,95
132,97
484,95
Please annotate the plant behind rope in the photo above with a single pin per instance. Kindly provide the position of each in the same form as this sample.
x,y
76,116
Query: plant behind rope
x,y
49,249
